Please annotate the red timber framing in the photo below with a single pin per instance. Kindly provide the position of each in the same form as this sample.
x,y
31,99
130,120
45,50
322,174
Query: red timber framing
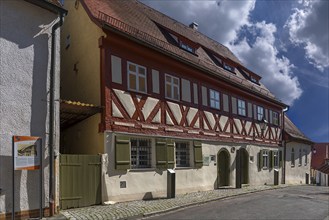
x,y
125,110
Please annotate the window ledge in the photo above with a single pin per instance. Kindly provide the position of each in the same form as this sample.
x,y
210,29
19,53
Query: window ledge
x,y
183,168
142,169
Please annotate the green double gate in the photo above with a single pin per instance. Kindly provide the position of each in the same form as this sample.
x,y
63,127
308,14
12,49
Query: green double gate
x,y
80,180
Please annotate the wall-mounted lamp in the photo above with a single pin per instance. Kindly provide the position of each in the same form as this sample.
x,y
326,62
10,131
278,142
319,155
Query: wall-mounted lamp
x,y
263,125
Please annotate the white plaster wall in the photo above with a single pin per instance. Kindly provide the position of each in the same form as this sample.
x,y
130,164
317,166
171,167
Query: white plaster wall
x,y
152,182
296,174
25,44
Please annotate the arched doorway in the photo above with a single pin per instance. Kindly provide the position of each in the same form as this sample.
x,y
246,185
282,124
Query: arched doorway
x,y
244,166
223,168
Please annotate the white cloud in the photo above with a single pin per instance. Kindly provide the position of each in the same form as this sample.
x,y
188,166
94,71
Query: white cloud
x,y
309,27
262,57
220,20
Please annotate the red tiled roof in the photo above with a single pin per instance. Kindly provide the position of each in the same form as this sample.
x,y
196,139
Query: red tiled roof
x,y
142,22
291,129
318,158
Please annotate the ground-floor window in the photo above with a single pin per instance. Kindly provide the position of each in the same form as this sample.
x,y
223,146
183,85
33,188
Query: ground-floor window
x,y
292,157
265,159
140,153
275,158
182,154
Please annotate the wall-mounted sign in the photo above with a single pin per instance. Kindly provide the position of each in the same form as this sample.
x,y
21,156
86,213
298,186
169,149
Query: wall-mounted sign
x,y
27,152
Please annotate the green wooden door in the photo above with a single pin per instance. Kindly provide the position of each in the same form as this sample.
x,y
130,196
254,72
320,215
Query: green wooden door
x,y
223,168
80,180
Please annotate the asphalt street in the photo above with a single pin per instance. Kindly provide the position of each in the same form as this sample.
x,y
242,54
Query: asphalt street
x,y
298,202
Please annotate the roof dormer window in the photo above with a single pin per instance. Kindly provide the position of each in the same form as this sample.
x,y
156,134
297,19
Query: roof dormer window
x,y
186,47
228,67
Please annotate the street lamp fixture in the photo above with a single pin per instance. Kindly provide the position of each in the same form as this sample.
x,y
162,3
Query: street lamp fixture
x,y
263,125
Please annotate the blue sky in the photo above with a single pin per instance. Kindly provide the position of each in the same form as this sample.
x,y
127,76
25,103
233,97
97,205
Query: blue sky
x,y
285,42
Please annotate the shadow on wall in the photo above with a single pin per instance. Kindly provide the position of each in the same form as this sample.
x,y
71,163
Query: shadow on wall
x,y
27,33
31,184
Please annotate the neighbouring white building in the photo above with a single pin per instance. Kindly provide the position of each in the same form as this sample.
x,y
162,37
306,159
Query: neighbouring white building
x,y
26,46
298,150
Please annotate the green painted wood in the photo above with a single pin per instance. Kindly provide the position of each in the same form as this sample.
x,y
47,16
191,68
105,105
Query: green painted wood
x,y
170,154
161,153
122,153
80,180
198,160
260,160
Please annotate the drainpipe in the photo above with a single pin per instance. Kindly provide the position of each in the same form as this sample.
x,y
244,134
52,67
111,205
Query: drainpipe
x,y
52,115
284,147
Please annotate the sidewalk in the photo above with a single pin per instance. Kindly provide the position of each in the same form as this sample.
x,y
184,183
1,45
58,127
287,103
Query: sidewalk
x,y
139,209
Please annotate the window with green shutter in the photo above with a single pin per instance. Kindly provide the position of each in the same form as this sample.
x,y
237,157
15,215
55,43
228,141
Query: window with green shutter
x,y
122,153
198,161
280,158
260,160
170,154
161,153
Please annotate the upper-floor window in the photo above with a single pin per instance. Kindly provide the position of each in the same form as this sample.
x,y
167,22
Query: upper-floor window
x,y
182,154
253,79
136,77
300,157
214,99
241,107
186,47
140,153
275,118
172,87
228,67
260,113
292,157
305,153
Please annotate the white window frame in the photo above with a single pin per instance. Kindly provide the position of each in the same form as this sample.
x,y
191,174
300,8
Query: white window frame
x,y
275,118
260,113
214,97
186,47
139,154
265,159
242,107
179,152
172,86
137,75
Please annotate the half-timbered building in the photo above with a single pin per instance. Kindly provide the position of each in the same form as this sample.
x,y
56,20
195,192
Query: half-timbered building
x,y
170,97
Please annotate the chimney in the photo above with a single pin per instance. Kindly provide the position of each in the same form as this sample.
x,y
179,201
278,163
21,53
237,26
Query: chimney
x,y
194,26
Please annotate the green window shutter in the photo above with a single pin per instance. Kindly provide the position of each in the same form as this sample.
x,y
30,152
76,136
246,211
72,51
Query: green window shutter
x,y
271,159
161,153
260,160
280,158
170,154
122,153
198,161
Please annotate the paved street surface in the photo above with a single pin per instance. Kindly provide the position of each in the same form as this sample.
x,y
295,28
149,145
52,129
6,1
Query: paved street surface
x,y
139,209
298,202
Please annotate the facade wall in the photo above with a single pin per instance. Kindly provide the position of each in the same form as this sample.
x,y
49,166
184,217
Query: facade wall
x,y
83,138
25,45
80,75
145,183
296,174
